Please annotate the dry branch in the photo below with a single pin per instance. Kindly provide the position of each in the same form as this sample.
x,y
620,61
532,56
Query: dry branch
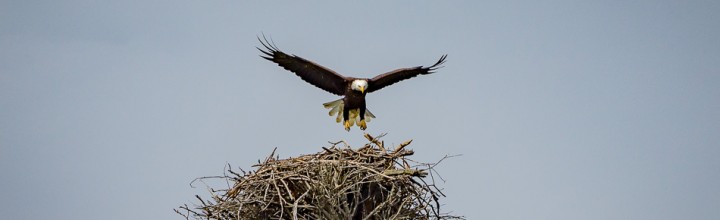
x,y
337,183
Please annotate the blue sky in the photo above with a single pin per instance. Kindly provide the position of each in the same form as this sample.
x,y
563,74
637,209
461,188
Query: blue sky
x,y
561,109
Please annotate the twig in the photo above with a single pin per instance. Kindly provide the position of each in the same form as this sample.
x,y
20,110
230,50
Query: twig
x,y
337,183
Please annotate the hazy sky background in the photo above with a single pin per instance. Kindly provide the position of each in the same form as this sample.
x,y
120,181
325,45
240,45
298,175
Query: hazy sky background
x,y
561,109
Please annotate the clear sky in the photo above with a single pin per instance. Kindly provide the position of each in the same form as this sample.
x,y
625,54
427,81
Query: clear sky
x,y
561,109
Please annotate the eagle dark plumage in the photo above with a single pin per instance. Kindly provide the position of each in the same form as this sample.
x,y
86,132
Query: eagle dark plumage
x,y
351,109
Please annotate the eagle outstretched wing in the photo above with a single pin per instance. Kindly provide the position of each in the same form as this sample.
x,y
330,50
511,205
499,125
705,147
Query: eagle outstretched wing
x,y
312,73
389,78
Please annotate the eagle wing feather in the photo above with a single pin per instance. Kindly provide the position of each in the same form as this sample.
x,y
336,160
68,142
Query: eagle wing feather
x,y
309,71
392,77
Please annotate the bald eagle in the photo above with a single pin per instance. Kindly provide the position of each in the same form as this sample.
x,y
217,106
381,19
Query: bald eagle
x,y
352,105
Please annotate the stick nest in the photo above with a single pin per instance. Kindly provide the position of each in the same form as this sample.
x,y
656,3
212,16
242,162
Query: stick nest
x,y
371,182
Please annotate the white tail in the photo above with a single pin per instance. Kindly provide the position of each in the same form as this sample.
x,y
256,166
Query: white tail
x,y
336,108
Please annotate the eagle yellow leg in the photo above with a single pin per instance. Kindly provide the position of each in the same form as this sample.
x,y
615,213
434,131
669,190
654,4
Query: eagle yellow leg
x,y
362,124
347,125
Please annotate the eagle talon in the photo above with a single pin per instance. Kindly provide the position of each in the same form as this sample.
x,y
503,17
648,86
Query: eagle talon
x,y
347,125
362,124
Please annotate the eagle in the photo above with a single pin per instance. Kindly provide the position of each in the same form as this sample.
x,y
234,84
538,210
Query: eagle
x,y
351,109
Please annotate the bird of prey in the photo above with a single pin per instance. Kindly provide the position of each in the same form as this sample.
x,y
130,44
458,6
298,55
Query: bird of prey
x,y
351,109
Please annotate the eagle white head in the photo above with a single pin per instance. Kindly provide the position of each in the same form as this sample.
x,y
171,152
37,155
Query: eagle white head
x,y
359,85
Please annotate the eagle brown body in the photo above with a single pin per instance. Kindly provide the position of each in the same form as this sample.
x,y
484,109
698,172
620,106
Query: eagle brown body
x,y
351,109
354,100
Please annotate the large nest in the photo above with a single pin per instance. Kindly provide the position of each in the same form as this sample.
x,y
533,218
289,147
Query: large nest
x,y
371,182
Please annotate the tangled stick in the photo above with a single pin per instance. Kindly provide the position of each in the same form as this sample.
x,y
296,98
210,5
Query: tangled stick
x,y
372,182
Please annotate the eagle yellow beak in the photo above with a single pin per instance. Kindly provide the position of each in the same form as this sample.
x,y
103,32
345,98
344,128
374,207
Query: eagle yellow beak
x,y
362,89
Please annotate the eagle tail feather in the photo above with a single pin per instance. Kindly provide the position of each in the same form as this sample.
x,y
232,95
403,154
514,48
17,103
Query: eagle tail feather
x,y
336,108
333,104
368,115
